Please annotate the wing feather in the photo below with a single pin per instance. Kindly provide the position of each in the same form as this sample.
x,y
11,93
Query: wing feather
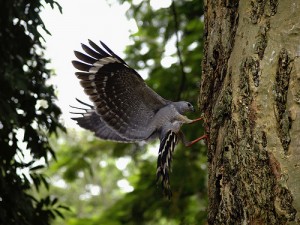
x,y
84,57
91,52
90,120
81,66
98,49
121,97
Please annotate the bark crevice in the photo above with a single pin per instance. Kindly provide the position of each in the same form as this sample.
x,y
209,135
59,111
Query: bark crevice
x,y
282,80
244,96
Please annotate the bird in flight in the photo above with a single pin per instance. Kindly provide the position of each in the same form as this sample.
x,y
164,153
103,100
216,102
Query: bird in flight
x,y
125,109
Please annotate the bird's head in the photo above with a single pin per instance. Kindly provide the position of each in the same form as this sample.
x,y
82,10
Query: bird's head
x,y
183,107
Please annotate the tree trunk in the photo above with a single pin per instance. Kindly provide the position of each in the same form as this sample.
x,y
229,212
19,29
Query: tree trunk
x,y
250,97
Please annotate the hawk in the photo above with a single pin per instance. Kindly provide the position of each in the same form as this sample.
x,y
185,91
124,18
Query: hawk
x,y
125,109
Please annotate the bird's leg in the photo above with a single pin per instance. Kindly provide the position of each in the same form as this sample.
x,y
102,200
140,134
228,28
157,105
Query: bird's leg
x,y
187,120
184,119
189,144
196,120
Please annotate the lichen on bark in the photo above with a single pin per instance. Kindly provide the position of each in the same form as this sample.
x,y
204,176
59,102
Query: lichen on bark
x,y
281,87
246,96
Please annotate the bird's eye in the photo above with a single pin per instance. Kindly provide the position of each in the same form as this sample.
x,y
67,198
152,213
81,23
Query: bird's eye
x,y
189,104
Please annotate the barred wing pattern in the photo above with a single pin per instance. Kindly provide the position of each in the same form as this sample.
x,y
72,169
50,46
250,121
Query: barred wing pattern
x,y
90,120
120,96
164,160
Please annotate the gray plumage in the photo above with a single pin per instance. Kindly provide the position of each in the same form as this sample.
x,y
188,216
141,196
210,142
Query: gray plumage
x,y
124,108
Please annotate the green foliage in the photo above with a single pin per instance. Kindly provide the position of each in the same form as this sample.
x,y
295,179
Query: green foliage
x,y
27,114
84,161
79,164
156,30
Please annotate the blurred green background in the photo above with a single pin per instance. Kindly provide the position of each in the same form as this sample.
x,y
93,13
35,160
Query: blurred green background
x,y
84,180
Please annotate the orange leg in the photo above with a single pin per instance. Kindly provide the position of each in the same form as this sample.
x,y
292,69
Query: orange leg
x,y
189,144
196,120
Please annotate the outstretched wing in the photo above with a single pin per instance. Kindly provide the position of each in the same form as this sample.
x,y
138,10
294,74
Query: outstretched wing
x,y
164,160
90,120
120,96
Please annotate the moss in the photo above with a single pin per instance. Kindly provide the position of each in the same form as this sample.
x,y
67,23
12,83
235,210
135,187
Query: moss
x,y
273,7
261,11
246,113
222,109
264,139
257,10
297,97
246,175
283,204
262,8
282,79
261,40
244,195
249,187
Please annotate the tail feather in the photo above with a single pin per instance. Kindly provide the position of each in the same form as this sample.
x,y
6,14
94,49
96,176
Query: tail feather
x,y
164,160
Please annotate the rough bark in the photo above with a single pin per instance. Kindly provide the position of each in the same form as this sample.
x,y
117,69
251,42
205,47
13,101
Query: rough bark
x,y
250,97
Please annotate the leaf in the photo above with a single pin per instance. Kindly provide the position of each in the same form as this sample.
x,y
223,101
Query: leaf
x,y
59,213
37,167
54,201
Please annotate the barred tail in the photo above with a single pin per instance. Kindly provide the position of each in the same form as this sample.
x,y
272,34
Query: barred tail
x,y
164,160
